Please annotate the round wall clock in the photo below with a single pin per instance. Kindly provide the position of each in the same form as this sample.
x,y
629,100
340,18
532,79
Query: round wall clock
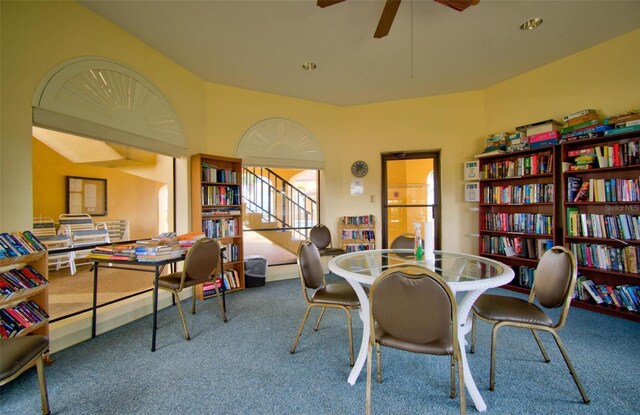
x,y
359,168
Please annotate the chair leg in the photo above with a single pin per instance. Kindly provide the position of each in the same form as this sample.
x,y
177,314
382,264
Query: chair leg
x,y
295,341
315,328
565,355
72,262
351,360
184,321
44,395
378,363
463,393
367,404
223,313
544,352
472,349
453,378
193,299
492,371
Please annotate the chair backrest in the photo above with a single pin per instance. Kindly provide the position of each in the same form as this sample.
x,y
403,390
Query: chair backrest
x,y
555,278
201,261
77,222
320,235
118,230
415,305
43,226
310,266
404,241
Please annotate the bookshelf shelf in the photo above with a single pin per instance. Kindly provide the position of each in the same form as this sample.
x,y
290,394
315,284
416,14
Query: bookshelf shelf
x,y
37,321
603,229
357,233
519,210
216,197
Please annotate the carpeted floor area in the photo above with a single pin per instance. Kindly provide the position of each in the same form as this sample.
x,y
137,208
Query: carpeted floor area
x,y
244,367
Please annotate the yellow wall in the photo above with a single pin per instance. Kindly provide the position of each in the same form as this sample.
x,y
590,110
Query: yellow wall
x,y
36,36
128,197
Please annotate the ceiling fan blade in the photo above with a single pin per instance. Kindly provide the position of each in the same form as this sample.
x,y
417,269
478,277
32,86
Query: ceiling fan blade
x,y
458,5
386,19
326,3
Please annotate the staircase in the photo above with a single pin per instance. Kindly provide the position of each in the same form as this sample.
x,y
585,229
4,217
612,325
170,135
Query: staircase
x,y
275,208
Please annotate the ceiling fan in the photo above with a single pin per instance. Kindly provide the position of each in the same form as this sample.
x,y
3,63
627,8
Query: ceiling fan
x,y
391,8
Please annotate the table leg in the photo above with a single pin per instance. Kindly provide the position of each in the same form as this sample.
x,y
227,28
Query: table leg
x,y
366,332
464,326
155,308
95,299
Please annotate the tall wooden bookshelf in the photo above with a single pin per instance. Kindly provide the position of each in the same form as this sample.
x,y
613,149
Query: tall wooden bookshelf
x,y
602,226
519,210
358,233
216,209
31,303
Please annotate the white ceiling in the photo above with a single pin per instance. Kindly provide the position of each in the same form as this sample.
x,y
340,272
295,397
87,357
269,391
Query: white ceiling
x,y
431,49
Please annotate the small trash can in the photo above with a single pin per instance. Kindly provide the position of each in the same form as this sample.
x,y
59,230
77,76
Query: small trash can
x,y
255,271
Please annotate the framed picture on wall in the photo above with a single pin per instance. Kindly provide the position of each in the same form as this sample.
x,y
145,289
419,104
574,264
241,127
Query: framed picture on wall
x,y
87,195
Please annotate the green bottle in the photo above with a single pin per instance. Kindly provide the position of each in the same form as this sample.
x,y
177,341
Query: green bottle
x,y
419,251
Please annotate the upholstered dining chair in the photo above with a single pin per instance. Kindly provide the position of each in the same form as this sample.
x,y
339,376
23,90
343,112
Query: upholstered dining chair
x,y
323,295
17,354
404,241
413,309
320,235
199,264
553,285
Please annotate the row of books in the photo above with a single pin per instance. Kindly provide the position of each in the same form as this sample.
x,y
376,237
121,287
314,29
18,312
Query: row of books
x,y
519,194
16,282
19,243
615,155
224,281
214,174
14,320
358,220
536,223
623,226
220,195
220,228
515,246
607,257
366,234
603,190
231,252
526,276
622,296
358,247
521,166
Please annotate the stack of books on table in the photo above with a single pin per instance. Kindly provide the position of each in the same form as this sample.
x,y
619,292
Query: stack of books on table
x,y
188,239
121,252
158,251
541,133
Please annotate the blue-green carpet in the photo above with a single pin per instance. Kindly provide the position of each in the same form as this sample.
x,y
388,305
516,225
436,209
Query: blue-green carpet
x,y
244,367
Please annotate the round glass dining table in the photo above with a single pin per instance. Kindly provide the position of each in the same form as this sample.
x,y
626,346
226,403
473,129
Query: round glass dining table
x,y
467,275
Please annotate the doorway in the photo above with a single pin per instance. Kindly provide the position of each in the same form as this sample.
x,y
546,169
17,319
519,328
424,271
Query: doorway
x,y
410,194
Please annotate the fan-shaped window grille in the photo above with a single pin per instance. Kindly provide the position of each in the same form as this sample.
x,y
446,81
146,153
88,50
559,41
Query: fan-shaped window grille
x,y
104,99
278,142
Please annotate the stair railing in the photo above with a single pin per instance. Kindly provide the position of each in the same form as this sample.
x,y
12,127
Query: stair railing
x,y
266,192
